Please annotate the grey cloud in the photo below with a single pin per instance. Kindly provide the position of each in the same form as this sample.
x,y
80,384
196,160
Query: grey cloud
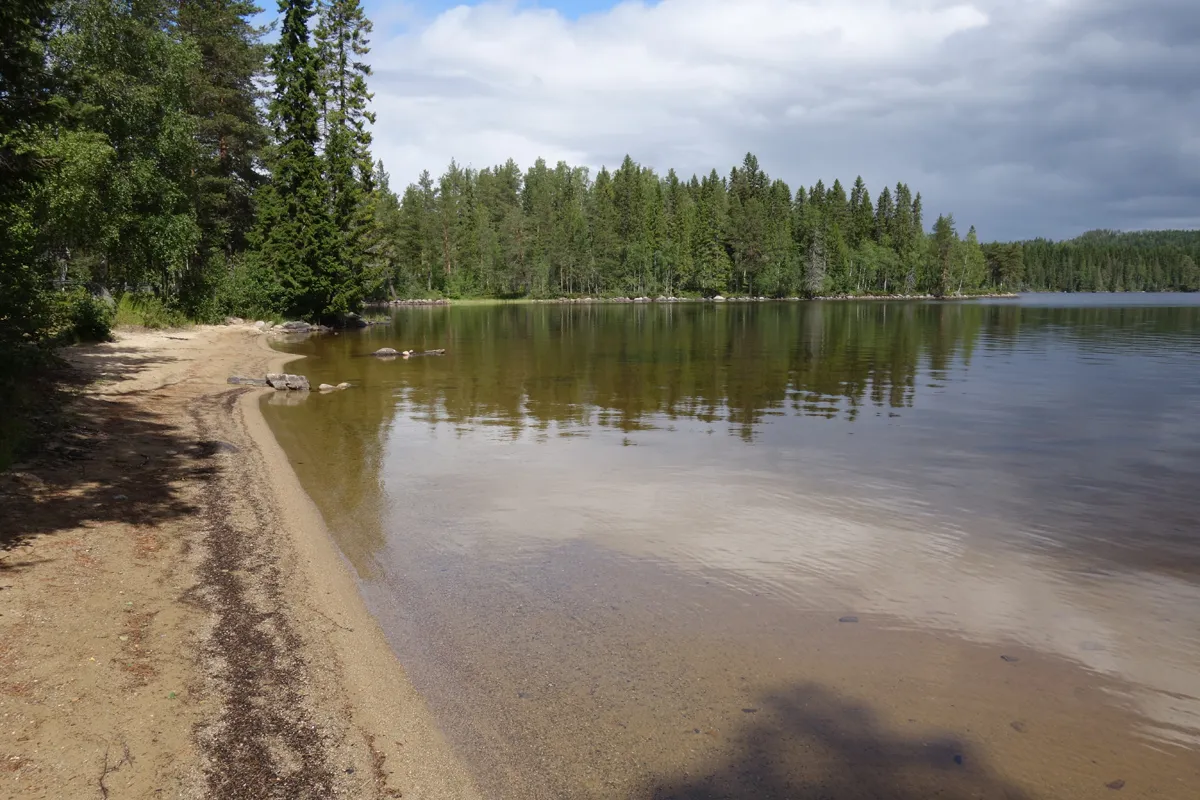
x,y
1042,141
1053,119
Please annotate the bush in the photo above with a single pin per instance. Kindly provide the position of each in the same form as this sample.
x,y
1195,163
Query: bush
x,y
79,316
145,310
248,290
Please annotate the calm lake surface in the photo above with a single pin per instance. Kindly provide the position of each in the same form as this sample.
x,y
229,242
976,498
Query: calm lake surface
x,y
781,550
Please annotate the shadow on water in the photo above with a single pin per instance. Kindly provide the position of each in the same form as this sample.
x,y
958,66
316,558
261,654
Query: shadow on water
x,y
808,743
98,459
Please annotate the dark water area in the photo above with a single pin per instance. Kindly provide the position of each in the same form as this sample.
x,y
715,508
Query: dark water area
x,y
612,544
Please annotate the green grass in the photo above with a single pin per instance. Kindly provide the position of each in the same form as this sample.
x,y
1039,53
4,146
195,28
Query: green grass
x,y
147,311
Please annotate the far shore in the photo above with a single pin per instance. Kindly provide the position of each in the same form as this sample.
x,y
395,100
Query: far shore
x,y
489,301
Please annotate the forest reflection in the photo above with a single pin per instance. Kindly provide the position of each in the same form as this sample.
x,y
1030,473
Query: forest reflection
x,y
1009,392
633,368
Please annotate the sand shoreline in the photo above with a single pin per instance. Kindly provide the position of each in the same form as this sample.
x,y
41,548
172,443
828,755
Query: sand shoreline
x,y
176,619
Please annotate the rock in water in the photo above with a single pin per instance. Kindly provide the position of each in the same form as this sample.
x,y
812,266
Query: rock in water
x,y
325,387
278,380
343,385
296,326
386,351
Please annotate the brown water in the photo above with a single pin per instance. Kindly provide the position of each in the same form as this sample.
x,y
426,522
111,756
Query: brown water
x,y
612,545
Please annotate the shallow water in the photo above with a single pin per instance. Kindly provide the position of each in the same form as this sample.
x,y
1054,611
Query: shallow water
x,y
612,544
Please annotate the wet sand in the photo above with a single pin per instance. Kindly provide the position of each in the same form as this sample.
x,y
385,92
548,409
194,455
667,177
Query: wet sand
x,y
654,685
176,621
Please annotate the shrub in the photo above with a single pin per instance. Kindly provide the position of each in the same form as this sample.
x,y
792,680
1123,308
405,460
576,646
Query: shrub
x,y
80,316
142,309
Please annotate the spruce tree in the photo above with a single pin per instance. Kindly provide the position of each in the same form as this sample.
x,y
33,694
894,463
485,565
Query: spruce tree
x,y
864,219
974,267
343,37
381,245
945,241
711,258
297,243
884,211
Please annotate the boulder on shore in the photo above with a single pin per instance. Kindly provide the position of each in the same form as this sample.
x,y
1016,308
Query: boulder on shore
x,y
279,380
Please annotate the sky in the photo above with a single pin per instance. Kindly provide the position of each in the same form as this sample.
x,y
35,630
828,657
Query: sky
x,y
1024,118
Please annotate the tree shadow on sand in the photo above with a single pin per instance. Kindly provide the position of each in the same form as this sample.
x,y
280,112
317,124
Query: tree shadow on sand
x,y
100,459
807,743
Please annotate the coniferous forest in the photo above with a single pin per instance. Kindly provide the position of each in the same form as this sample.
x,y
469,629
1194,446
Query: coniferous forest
x,y
161,154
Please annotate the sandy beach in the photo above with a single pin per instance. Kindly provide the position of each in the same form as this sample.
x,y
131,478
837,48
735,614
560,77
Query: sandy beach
x,y
175,620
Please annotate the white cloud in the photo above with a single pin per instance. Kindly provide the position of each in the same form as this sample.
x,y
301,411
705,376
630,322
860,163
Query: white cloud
x,y
964,100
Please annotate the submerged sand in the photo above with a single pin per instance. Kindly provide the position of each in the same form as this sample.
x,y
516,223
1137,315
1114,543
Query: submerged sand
x,y
175,620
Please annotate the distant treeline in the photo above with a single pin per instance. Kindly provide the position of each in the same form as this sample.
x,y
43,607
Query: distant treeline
x,y
1110,261
559,230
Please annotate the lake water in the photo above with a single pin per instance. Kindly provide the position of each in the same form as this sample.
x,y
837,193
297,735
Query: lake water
x,y
781,550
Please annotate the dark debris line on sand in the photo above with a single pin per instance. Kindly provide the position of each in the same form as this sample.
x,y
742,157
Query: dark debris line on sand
x,y
263,744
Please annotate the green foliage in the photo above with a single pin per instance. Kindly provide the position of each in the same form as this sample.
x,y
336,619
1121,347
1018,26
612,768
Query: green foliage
x,y
295,240
248,290
1109,261
24,89
946,246
124,146
229,136
145,310
342,41
80,316
503,233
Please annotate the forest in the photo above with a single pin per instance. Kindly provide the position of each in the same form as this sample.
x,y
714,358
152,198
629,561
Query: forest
x,y
161,157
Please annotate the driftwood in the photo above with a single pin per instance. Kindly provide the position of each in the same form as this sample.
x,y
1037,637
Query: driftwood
x,y
388,352
276,380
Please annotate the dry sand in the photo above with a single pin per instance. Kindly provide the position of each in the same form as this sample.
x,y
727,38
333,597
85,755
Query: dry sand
x,y
174,619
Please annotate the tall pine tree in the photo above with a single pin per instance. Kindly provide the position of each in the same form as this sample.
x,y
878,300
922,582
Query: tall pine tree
x,y
297,243
343,37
